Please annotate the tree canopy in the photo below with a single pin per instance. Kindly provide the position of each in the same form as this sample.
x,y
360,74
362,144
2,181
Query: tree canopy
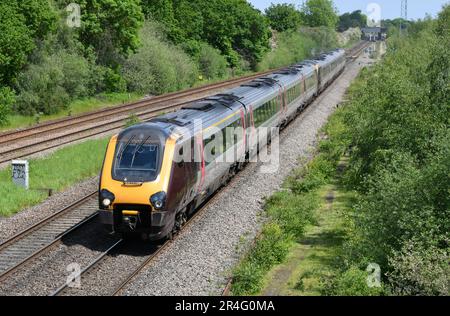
x,y
283,17
110,26
354,19
317,13
232,26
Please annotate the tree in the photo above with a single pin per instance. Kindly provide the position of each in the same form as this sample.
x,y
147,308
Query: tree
x,y
21,22
283,17
319,13
354,19
7,100
110,27
233,26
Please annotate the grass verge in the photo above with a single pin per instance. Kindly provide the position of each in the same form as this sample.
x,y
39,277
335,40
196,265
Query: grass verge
x,y
58,171
290,212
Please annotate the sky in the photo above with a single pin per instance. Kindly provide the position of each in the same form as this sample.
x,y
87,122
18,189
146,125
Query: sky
x,y
390,9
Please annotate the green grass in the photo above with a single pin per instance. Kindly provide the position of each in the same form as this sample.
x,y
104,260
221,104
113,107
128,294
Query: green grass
x,y
74,108
58,171
293,213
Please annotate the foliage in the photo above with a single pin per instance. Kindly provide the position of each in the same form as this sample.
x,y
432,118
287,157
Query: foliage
x,y
21,23
7,100
270,249
211,63
350,20
353,282
49,86
234,26
397,127
419,270
109,27
293,47
16,43
158,66
317,13
283,17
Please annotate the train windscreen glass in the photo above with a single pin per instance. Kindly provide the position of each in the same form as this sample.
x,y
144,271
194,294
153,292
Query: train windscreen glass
x,y
136,162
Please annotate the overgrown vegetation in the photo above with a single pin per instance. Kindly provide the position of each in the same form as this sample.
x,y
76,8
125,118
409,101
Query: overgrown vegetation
x,y
76,163
399,119
289,213
395,129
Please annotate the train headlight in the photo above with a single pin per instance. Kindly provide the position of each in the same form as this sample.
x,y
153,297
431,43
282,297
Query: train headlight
x,y
158,200
106,198
106,202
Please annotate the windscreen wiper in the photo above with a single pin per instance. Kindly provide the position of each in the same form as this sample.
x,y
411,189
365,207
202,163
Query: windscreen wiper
x,y
137,149
119,156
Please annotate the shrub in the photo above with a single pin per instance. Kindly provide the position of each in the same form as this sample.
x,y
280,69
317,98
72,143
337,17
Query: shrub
x,y
7,100
158,67
295,46
49,86
211,63
419,270
247,279
353,282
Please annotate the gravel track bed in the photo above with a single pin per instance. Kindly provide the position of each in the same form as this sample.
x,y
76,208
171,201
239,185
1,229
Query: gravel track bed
x,y
200,260
49,271
10,226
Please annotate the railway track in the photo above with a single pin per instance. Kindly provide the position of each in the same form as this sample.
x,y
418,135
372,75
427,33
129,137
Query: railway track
x,y
53,134
35,240
121,285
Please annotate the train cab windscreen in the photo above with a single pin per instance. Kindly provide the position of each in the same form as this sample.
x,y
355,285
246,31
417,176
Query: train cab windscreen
x,y
136,161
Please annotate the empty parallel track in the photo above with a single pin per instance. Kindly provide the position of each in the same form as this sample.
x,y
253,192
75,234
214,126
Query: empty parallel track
x,y
28,244
53,134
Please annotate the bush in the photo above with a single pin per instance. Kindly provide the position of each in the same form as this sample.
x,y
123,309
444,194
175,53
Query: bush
x,y
211,63
271,248
419,270
158,67
49,86
353,282
7,100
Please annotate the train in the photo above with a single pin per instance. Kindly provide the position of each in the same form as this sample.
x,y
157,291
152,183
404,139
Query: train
x,y
156,174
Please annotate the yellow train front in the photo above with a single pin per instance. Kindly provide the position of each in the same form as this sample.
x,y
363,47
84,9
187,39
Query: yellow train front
x,y
134,182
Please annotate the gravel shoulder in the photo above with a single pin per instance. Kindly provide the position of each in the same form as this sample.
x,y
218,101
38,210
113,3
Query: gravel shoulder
x,y
201,259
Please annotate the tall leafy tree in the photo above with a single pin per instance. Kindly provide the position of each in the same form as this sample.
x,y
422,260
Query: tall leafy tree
x,y
21,24
319,13
232,26
283,17
110,27
354,19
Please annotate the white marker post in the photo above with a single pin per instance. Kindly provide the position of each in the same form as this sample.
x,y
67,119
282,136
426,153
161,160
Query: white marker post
x,y
20,173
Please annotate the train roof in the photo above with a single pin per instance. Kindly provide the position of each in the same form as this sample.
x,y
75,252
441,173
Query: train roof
x,y
218,107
